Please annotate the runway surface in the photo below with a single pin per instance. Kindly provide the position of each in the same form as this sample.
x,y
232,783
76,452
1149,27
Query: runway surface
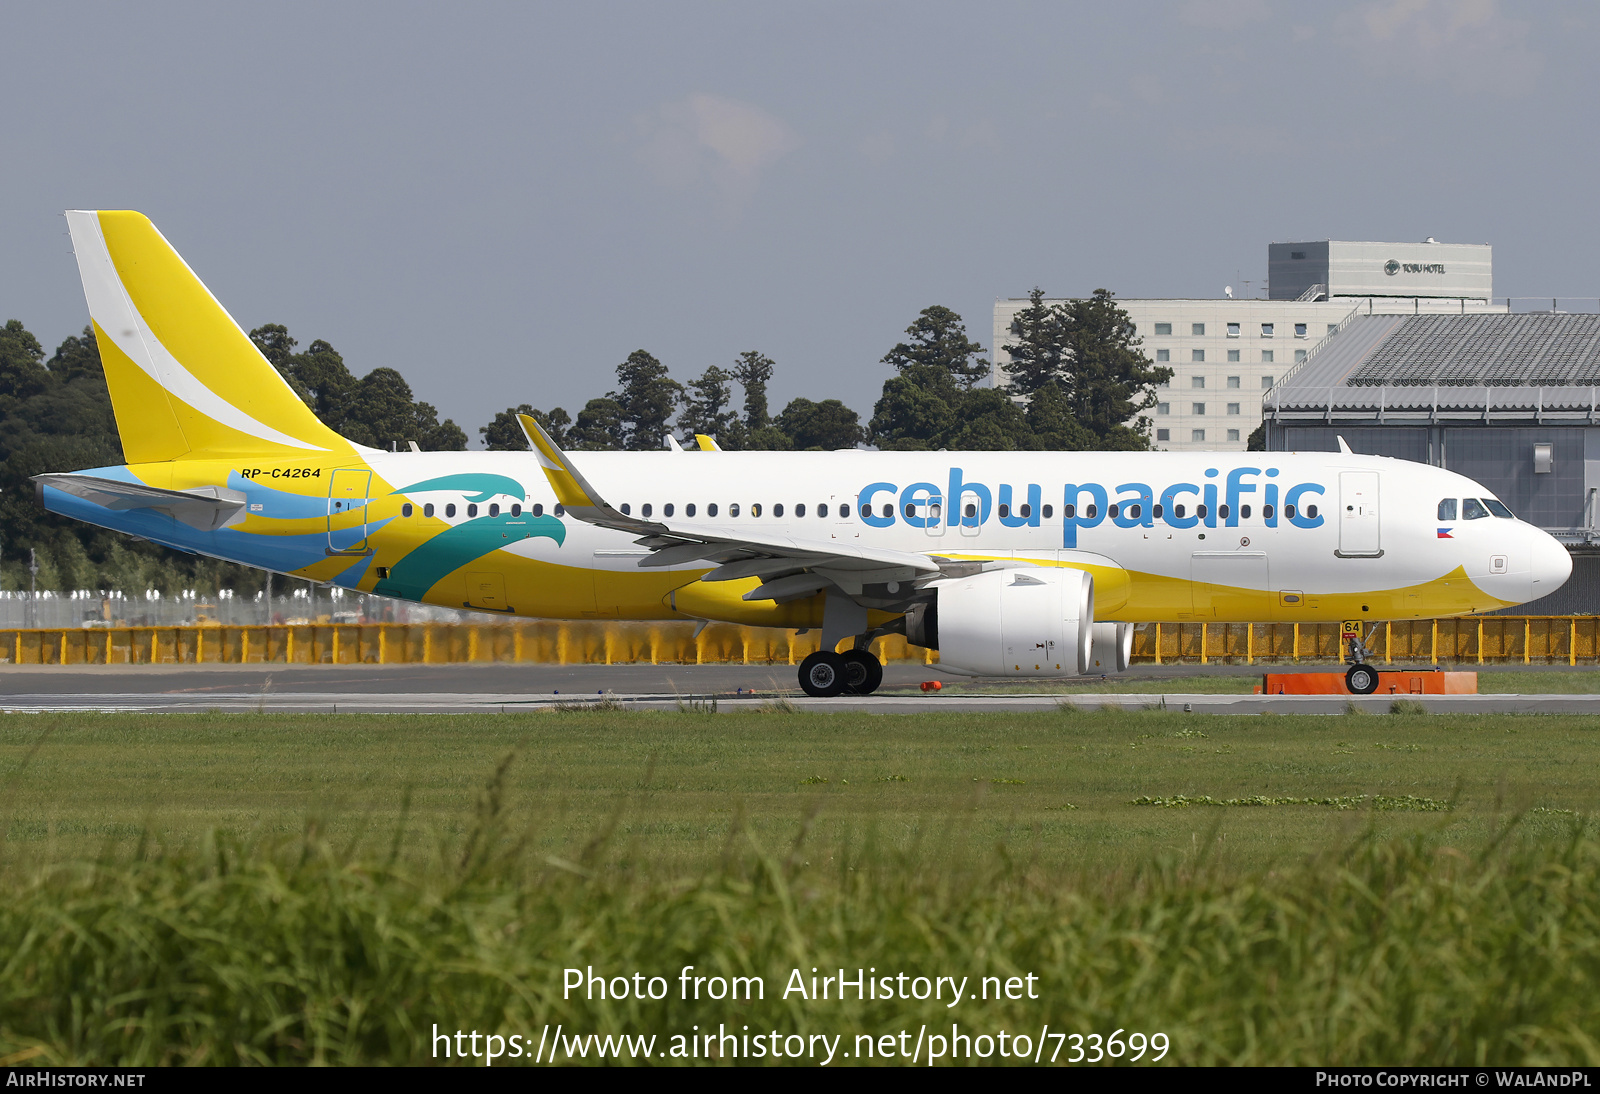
x,y
510,688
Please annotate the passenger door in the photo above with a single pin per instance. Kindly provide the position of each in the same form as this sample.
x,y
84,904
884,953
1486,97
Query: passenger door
x,y
1358,515
347,494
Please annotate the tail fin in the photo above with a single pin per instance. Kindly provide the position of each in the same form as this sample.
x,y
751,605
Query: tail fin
x,y
186,382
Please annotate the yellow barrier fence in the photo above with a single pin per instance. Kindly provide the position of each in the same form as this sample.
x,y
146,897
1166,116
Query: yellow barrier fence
x,y
423,643
1490,639
1497,639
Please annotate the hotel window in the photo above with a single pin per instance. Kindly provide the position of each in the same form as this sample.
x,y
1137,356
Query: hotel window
x,y
1197,355
1197,435
1233,330
1266,330
1299,330
1266,382
1163,434
1163,408
1332,327
1233,435
1233,381
1299,355
1233,408
1198,408
1197,329
1197,382
1233,355
1163,355
1266,357
1163,328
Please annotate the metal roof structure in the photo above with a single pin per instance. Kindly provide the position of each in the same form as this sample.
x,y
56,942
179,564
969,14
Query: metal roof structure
x,y
1539,366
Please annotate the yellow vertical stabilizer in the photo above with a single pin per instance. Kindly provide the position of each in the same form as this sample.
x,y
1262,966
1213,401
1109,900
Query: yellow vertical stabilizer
x,y
186,382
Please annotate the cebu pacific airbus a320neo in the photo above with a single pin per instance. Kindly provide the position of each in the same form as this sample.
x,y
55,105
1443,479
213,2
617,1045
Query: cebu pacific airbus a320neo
x,y
1008,563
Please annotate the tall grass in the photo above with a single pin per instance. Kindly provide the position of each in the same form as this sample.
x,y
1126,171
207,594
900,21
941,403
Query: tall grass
x,y
1374,952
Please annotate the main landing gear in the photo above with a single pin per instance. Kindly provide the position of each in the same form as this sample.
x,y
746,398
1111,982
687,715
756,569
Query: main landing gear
x,y
826,674
1361,678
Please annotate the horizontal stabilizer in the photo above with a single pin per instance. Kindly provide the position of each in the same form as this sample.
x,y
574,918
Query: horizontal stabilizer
x,y
206,508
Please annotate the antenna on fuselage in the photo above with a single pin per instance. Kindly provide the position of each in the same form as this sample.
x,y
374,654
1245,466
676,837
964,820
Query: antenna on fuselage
x,y
1344,448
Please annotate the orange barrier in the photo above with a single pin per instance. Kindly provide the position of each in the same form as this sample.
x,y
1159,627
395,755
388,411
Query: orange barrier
x,y
1427,682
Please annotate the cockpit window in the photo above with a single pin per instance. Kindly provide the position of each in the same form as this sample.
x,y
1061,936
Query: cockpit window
x,y
1498,509
1473,509
1447,509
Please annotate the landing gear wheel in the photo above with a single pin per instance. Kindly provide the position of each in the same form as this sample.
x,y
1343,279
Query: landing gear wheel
x,y
1361,679
823,675
863,673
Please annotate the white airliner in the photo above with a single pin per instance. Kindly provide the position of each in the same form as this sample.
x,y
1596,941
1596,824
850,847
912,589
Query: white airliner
x,y
1014,564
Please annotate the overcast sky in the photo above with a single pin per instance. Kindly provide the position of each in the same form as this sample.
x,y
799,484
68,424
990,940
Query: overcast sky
x,y
503,200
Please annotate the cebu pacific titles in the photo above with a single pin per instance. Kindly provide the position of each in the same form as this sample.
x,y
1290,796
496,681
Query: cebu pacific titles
x,y
1024,564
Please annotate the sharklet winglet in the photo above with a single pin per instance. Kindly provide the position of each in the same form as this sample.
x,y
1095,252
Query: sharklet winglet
x,y
573,491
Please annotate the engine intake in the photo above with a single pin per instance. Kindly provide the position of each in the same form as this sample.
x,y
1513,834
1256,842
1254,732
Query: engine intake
x,y
1023,622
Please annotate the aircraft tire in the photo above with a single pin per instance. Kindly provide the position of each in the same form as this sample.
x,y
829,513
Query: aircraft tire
x,y
863,673
822,675
1361,679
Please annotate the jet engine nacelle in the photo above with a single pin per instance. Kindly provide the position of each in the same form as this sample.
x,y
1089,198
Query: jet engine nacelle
x,y
1023,622
1113,647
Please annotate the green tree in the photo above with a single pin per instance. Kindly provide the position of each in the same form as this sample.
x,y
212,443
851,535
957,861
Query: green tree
x,y
912,417
1037,348
599,427
989,421
753,371
939,343
1109,380
321,373
706,409
22,371
1051,422
646,398
1089,350
820,427
504,434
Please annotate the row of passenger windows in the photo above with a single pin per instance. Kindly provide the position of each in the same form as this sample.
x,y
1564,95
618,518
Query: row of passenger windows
x,y
1134,510
428,510
1474,509
755,509
1447,510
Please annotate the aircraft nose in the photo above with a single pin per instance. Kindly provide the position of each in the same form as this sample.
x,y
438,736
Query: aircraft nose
x,y
1551,564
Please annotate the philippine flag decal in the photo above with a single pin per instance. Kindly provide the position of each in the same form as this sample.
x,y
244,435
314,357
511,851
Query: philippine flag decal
x,y
1444,533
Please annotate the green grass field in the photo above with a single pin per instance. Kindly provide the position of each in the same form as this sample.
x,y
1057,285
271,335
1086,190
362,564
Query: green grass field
x,y
1384,889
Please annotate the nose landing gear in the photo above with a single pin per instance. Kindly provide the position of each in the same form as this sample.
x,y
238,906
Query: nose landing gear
x,y
825,674
1361,678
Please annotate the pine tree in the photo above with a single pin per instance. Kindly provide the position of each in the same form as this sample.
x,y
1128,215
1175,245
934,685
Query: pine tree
x,y
646,398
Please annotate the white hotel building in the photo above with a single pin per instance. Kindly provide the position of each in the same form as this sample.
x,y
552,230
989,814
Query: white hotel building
x,y
1226,354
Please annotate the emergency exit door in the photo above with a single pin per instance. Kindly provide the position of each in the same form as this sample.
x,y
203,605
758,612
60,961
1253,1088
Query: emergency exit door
x,y
1358,515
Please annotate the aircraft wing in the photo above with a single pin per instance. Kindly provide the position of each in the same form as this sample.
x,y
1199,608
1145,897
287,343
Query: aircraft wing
x,y
789,567
206,508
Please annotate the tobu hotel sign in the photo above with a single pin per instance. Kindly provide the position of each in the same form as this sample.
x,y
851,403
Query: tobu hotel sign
x,y
1392,267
